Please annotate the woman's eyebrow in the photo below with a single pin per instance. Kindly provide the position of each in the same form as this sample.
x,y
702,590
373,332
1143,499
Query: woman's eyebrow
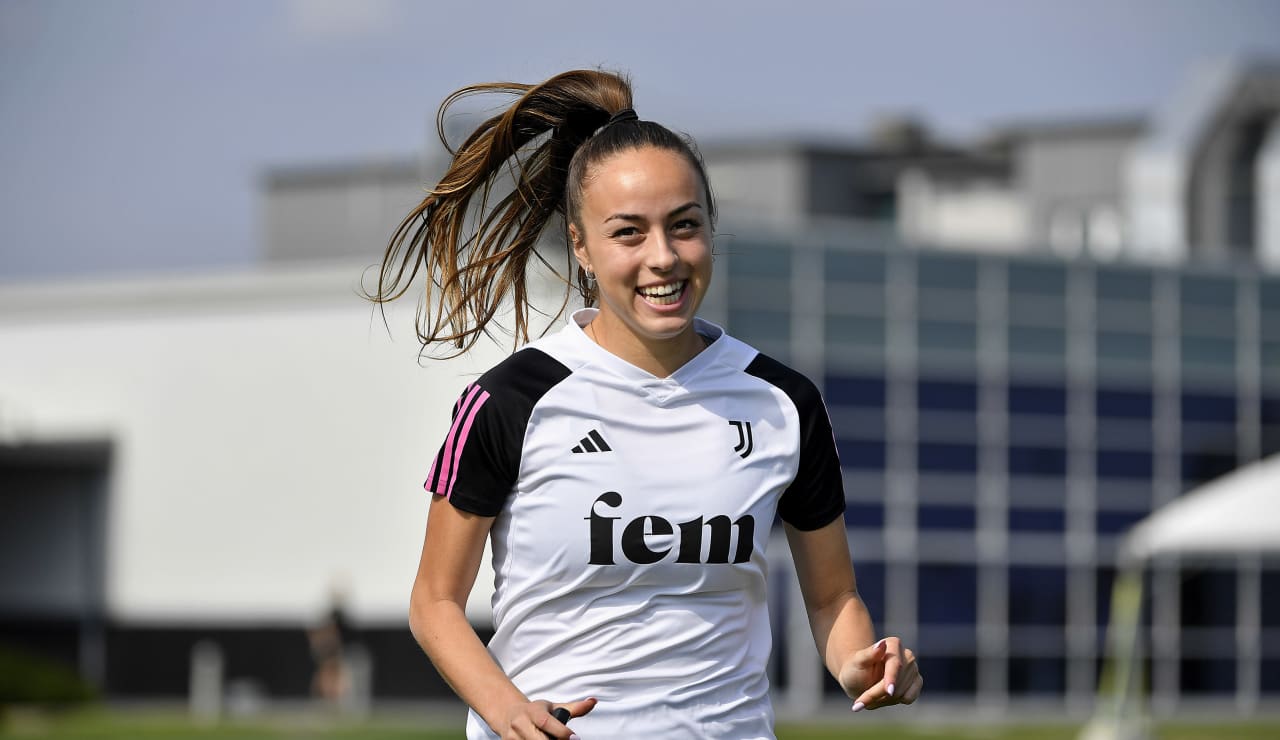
x,y
636,217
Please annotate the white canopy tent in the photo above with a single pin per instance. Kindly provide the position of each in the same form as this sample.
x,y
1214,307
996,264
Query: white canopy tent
x,y
1237,513
1232,516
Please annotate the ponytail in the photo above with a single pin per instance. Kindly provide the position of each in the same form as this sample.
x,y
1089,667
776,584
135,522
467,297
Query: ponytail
x,y
544,143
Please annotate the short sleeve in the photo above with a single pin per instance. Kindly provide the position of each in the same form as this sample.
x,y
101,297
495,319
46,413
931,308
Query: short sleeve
x,y
815,497
474,468
478,464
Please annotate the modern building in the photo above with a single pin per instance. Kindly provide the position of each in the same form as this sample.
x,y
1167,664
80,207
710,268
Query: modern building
x,y
1002,420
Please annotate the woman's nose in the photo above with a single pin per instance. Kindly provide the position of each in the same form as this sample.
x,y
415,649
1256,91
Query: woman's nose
x,y
662,254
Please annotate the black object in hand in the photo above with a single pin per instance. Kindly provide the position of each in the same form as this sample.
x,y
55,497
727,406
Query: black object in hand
x,y
561,714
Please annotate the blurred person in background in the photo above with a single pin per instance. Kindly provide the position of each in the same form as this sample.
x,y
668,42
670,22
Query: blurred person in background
x,y
330,679
626,469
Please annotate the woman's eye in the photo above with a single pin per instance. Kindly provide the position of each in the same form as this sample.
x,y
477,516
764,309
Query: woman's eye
x,y
687,224
625,232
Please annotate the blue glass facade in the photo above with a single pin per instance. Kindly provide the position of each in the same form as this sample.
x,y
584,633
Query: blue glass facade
x,y
1012,417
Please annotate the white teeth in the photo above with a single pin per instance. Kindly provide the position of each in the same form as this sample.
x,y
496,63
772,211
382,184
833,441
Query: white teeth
x,y
664,295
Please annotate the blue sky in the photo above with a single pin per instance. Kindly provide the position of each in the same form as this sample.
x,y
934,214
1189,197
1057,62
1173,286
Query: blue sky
x,y
134,133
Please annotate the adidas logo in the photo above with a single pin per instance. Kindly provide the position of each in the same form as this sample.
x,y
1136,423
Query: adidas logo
x,y
593,442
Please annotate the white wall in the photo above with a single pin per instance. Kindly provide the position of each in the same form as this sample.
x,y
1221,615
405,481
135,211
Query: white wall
x,y
269,438
762,187
984,215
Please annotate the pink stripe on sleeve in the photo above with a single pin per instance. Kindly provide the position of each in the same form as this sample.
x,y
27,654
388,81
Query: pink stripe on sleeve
x,y
462,440
446,453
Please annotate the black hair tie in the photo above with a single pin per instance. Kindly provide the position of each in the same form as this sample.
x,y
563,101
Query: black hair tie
x,y
626,114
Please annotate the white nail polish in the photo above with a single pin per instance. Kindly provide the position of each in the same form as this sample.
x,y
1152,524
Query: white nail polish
x,y
890,689
859,706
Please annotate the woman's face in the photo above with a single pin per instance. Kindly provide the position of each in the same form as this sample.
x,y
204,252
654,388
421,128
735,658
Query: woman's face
x,y
646,235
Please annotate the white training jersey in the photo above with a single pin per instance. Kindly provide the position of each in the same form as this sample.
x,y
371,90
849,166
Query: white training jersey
x,y
632,514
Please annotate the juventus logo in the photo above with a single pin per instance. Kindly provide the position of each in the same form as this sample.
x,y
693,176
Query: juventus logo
x,y
745,442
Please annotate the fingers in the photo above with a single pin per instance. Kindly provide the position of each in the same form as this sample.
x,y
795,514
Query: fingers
x,y
579,708
873,654
900,682
892,663
912,692
550,725
536,721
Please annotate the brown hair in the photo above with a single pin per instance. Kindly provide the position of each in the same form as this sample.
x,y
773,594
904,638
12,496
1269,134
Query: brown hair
x,y
476,254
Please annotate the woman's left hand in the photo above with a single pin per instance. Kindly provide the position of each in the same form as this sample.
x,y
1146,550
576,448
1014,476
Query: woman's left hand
x,y
883,674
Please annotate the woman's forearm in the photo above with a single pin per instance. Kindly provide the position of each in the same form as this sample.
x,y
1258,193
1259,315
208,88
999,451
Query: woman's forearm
x,y
442,630
841,628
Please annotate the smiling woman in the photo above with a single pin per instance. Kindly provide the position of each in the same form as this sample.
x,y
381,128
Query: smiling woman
x,y
627,468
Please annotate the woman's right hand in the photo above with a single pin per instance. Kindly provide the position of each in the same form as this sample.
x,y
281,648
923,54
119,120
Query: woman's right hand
x,y
533,720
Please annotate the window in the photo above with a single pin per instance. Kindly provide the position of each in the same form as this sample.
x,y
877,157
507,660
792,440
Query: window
x,y
1124,404
948,272
947,457
1208,675
864,515
859,267
1209,352
1037,520
861,454
1126,347
1270,418
1050,461
870,575
1208,597
945,517
757,326
1202,467
855,390
1119,284
1269,294
948,674
947,594
1117,522
1105,577
946,395
1037,341
1208,290
1208,407
756,260
1271,596
748,294
947,336
1037,595
1134,464
1038,279
855,331
1037,399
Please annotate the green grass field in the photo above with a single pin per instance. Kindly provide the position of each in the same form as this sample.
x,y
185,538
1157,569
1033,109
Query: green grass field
x,y
99,725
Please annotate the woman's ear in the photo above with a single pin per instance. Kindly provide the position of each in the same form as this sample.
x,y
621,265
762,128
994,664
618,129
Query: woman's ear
x,y
579,247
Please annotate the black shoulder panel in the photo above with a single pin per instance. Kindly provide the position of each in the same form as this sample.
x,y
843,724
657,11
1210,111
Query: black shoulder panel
x,y
816,497
477,465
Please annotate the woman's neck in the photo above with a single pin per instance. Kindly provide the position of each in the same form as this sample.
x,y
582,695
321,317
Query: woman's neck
x,y
658,357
